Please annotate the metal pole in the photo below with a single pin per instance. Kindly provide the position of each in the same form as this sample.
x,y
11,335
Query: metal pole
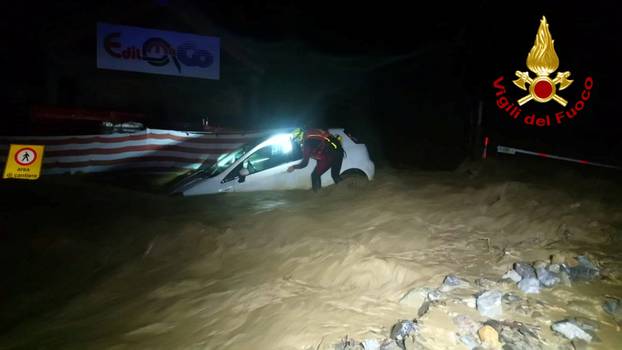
x,y
512,151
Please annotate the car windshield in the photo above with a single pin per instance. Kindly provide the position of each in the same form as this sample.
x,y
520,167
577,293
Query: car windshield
x,y
225,160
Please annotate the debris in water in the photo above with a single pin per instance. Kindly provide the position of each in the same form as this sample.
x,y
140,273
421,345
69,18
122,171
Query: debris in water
x,y
512,275
570,330
518,338
585,270
555,268
425,307
529,285
401,330
452,282
489,337
525,270
546,277
436,295
489,304
612,307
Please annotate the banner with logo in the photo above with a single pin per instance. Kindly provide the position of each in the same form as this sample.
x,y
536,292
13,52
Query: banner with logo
x,y
157,51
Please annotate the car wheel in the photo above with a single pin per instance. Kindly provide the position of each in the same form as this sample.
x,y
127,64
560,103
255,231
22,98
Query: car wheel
x,y
354,180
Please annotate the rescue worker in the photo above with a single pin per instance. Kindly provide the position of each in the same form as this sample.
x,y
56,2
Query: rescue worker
x,y
325,148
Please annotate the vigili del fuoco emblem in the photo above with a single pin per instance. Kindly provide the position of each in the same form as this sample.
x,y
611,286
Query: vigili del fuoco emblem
x,y
542,60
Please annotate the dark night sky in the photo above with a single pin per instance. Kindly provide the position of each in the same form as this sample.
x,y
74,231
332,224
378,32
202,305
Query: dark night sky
x,y
356,28
349,27
487,40
492,34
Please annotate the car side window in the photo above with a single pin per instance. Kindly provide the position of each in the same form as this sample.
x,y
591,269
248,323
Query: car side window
x,y
267,157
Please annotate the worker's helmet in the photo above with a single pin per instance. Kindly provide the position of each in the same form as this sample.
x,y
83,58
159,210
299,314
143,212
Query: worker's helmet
x,y
297,134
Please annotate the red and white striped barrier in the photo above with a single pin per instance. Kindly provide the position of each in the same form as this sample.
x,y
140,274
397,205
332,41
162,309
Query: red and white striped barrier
x,y
485,153
150,148
513,151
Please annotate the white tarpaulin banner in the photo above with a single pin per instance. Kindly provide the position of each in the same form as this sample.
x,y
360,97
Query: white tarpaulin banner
x,y
157,51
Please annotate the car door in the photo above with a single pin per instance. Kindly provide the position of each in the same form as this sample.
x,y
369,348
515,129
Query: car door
x,y
267,169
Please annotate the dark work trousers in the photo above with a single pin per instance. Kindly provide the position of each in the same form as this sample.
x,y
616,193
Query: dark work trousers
x,y
332,160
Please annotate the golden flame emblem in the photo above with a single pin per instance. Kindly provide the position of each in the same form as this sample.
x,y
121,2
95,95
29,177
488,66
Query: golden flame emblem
x,y
542,60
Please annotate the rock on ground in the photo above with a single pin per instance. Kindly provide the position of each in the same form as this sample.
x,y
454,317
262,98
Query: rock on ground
x,y
529,285
489,304
512,275
571,330
489,337
525,270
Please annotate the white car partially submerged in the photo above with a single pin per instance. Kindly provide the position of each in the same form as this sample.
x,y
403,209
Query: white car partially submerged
x,y
261,165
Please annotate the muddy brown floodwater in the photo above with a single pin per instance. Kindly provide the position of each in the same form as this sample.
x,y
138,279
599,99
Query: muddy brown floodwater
x,y
89,264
